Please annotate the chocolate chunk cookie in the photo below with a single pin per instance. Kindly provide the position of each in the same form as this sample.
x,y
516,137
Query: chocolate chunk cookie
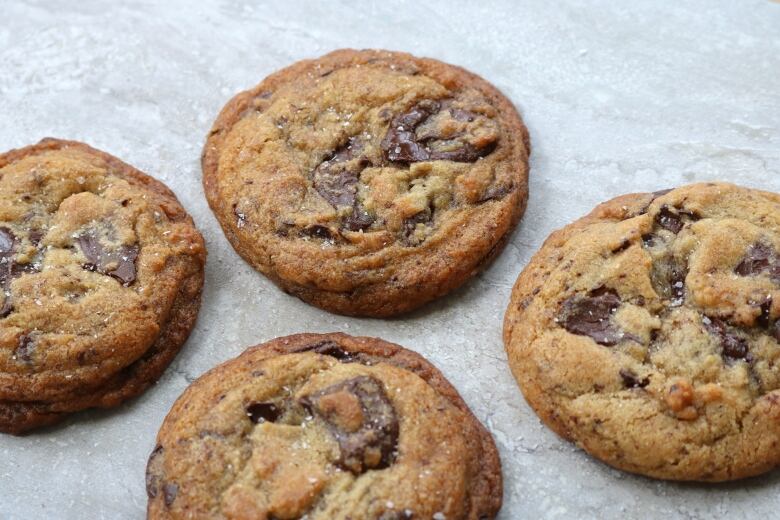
x,y
101,271
647,332
323,426
368,182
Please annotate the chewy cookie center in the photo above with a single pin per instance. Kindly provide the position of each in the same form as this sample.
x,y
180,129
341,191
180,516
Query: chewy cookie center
x,y
70,245
309,443
686,301
366,156
70,225
318,426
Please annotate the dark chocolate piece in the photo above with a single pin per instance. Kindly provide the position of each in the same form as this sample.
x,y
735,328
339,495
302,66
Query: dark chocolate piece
x,y
760,259
591,316
372,445
9,269
631,380
119,263
401,143
733,347
263,412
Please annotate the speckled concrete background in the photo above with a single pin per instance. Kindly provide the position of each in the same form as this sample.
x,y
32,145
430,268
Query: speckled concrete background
x,y
618,97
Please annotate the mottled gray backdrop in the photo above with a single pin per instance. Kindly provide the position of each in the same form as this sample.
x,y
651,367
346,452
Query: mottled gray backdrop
x,y
618,97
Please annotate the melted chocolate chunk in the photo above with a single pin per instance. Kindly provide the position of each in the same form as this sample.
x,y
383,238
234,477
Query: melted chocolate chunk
x,y
91,249
337,181
668,220
459,114
402,145
153,479
733,347
169,493
373,444
359,219
328,348
119,264
760,259
649,240
668,278
764,318
7,306
677,284
263,412
591,316
466,152
125,272
35,237
318,231
672,221
630,379
9,269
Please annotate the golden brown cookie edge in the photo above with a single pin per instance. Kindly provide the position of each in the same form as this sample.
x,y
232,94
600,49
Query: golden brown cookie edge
x,y
22,417
372,300
615,209
487,492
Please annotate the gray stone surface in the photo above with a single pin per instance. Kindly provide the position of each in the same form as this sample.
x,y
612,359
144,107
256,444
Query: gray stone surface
x,y
618,96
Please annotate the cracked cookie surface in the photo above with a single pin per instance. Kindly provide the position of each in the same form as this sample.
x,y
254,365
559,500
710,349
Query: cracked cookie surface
x,y
101,271
323,426
647,332
368,182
